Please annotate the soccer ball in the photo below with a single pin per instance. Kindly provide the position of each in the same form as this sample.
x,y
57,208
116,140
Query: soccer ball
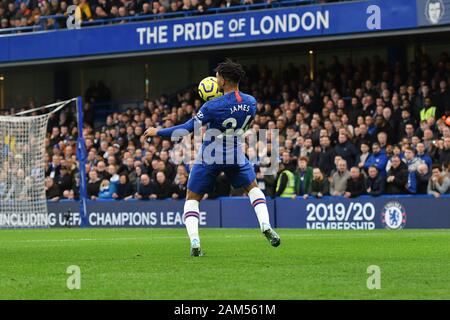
x,y
208,88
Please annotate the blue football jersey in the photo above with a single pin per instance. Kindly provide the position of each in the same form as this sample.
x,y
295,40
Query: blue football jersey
x,y
234,110
227,118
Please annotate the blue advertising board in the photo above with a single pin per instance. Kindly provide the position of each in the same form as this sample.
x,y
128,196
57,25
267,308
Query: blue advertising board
x,y
231,28
364,213
337,213
155,213
239,213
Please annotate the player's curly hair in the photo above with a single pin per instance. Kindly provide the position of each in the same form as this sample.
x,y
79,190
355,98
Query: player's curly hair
x,y
230,70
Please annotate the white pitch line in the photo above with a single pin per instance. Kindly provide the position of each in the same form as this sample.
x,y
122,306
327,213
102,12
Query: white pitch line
x,y
90,239
340,236
303,235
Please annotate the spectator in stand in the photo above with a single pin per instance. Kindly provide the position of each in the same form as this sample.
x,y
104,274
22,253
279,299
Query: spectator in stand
x,y
157,8
52,191
114,177
187,5
83,10
337,159
144,190
229,3
2,11
363,155
397,177
346,149
127,166
439,183
102,9
105,192
422,155
383,130
289,164
355,184
146,10
101,171
64,180
375,183
25,12
12,10
54,7
123,13
266,182
204,6
422,176
442,99
304,148
338,184
285,187
170,168
181,171
428,110
135,177
3,22
162,188
182,186
362,136
378,159
124,190
396,151
408,132
74,194
444,152
382,139
303,177
325,158
222,188
174,6
413,163
54,168
93,186
319,186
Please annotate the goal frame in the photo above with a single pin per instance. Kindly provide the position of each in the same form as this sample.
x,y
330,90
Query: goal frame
x,y
82,157
81,154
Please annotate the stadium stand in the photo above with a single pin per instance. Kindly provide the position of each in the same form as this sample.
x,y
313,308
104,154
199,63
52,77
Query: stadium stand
x,y
31,15
385,128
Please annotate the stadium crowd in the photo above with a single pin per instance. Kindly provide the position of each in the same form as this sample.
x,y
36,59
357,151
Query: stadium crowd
x,y
25,13
356,129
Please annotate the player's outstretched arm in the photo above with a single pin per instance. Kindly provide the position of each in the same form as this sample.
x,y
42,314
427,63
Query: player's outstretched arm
x,y
188,126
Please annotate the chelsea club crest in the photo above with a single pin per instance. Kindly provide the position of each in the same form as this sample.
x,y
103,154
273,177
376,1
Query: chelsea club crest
x,y
393,216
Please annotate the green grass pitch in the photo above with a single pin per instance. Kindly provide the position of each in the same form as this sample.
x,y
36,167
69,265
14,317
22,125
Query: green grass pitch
x,y
239,264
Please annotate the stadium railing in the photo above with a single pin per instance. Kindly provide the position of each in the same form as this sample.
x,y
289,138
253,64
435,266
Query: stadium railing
x,y
99,22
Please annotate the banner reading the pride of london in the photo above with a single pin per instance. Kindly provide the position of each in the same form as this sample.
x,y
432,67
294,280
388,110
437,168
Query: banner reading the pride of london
x,y
214,29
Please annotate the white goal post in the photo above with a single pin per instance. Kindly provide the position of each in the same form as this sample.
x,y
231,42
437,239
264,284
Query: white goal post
x,y
22,167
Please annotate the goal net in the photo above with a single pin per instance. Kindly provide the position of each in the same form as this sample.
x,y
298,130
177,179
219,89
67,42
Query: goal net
x,y
22,167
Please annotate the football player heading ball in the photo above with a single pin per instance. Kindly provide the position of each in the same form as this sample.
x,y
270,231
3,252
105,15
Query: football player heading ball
x,y
231,114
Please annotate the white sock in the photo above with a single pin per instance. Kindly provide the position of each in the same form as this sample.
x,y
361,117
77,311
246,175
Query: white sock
x,y
191,216
258,201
